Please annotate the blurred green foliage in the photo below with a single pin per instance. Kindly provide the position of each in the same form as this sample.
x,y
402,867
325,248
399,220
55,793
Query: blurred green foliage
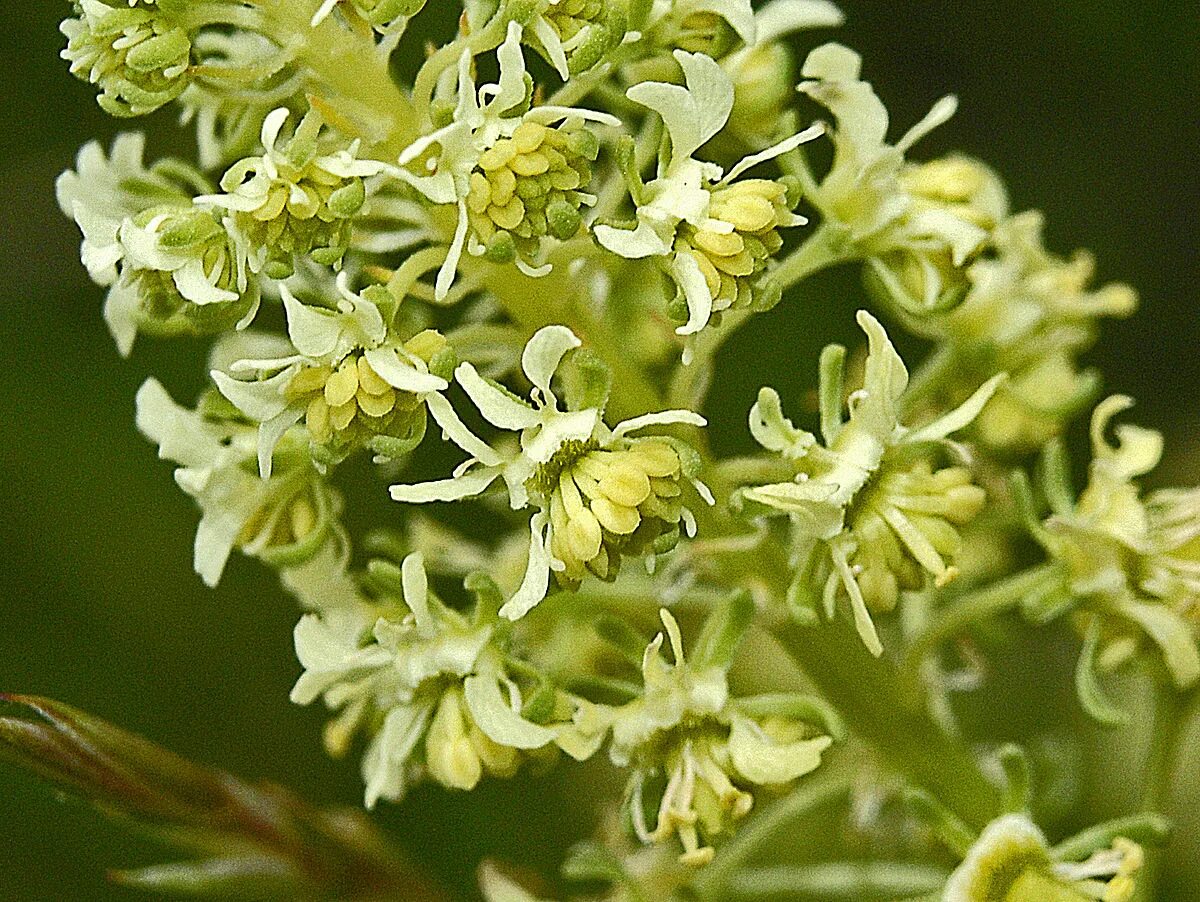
x,y
1088,109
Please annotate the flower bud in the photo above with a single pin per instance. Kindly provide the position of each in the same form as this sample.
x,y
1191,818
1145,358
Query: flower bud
x,y
132,51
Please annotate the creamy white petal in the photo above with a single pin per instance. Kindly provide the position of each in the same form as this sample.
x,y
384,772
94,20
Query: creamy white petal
x,y
456,488
960,417
662,418
496,718
632,244
261,399
497,406
809,134
693,114
688,277
537,572
399,373
543,354
456,430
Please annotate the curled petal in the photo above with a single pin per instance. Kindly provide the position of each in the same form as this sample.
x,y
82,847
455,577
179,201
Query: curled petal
x,y
537,573
468,485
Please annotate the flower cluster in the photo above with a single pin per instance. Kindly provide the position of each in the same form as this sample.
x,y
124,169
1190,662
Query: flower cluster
x,y
535,255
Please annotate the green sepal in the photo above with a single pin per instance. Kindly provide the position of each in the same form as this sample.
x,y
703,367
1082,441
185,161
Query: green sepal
x,y
284,556
347,200
724,630
946,825
795,706
593,863
588,380
1146,829
540,706
393,447
622,637
488,597
1054,475
832,391
1087,683
444,362
1018,780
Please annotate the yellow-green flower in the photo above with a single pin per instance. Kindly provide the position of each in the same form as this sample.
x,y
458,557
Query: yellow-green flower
x,y
871,512
599,493
284,519
516,173
1032,314
575,35
1012,862
427,683
530,186
1131,562
696,753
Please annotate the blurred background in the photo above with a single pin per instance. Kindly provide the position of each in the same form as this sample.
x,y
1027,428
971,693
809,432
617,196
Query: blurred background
x,y
1088,109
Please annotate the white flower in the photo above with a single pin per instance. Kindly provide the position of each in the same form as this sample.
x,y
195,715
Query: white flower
x,y
294,200
685,188
429,684
341,373
885,209
615,495
482,118
290,515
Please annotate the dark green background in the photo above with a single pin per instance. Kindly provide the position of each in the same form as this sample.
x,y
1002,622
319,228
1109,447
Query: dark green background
x,y
1088,108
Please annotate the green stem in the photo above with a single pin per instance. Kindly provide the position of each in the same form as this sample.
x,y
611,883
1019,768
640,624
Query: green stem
x,y
557,299
976,606
820,251
824,248
348,66
1170,720
867,691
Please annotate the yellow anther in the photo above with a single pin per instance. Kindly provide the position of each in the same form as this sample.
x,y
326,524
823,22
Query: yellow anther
x,y
626,485
510,215
529,137
376,405
342,386
316,419
530,164
720,245
500,154
341,417
369,380
616,518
